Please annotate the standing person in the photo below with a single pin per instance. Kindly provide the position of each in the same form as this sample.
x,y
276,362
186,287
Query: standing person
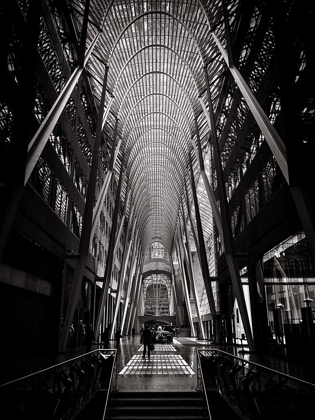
x,y
153,334
147,339
159,335
133,332
105,336
118,336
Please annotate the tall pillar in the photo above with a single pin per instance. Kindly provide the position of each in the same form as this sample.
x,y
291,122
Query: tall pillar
x,y
192,276
258,305
110,257
133,291
201,244
121,279
137,295
85,239
227,238
184,286
130,282
178,306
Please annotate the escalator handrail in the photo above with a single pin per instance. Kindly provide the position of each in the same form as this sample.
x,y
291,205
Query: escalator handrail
x,y
65,362
275,372
204,387
110,384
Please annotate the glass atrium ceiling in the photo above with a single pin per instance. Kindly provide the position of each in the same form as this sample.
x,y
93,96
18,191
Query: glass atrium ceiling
x,y
157,53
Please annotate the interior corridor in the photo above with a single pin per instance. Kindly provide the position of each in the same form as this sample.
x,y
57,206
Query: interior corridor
x,y
156,170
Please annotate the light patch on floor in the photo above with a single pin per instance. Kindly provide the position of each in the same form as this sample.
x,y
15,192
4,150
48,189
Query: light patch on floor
x,y
198,341
160,347
176,342
159,364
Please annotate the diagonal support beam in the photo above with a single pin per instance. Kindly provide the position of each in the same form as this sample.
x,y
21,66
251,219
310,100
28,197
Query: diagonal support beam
x,y
122,221
134,289
200,244
130,278
184,286
137,294
272,137
211,197
110,257
178,307
191,274
122,274
41,137
100,200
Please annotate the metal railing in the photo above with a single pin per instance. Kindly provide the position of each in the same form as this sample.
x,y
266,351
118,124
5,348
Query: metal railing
x,y
112,385
252,390
201,386
61,391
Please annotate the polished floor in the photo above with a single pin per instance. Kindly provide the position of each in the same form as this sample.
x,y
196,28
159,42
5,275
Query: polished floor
x,y
172,366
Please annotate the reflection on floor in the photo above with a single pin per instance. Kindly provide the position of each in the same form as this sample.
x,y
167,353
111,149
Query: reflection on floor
x,y
161,347
170,368
191,341
166,364
198,341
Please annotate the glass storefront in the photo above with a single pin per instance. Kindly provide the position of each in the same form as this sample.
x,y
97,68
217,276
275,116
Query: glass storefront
x,y
285,280
288,277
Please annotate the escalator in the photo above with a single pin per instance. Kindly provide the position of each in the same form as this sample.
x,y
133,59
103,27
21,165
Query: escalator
x,y
250,390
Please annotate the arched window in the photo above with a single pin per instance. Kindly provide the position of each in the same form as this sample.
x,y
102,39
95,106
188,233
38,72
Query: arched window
x,y
156,290
157,250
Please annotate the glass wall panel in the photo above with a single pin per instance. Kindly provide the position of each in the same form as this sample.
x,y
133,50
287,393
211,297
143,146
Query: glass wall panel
x,y
288,272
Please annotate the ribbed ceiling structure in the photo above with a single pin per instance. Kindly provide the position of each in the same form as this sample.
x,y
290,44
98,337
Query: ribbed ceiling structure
x,y
157,53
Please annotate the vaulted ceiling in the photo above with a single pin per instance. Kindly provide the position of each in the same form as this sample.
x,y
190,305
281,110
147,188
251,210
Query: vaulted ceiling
x,y
157,53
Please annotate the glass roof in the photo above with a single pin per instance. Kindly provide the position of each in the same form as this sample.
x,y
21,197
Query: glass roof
x,y
156,52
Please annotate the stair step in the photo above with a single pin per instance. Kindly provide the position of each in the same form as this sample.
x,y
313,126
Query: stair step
x,y
153,417
162,408
156,406
155,401
155,394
